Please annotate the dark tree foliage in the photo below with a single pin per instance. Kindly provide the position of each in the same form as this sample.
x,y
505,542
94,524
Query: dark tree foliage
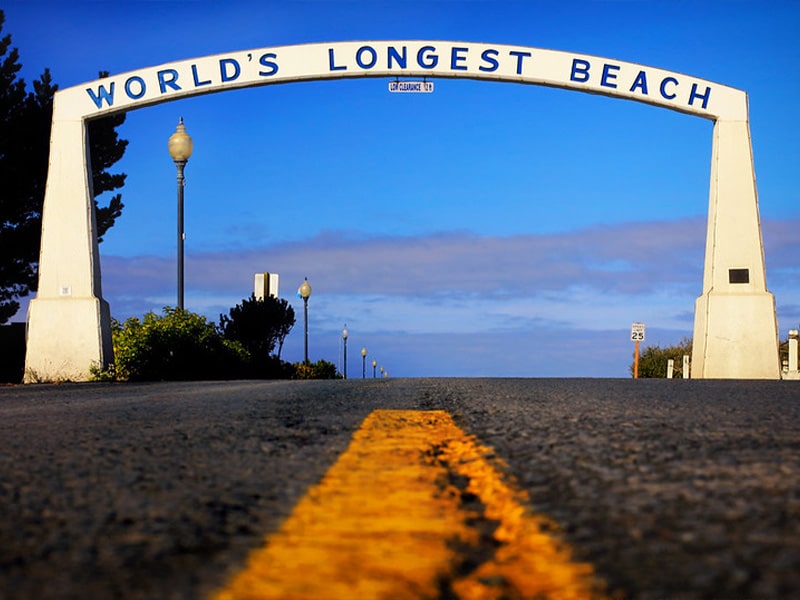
x,y
259,325
25,122
17,220
106,149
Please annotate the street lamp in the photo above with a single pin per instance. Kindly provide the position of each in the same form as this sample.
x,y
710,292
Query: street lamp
x,y
304,291
374,364
180,149
363,363
344,337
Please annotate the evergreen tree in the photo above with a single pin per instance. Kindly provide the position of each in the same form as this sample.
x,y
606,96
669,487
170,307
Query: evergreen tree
x,y
25,122
259,325
17,220
106,149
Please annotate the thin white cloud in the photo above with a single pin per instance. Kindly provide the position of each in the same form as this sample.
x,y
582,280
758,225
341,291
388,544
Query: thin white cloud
x,y
458,304
629,258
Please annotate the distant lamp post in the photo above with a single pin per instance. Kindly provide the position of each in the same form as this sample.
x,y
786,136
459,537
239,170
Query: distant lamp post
x,y
304,292
180,149
363,363
344,337
374,364
382,372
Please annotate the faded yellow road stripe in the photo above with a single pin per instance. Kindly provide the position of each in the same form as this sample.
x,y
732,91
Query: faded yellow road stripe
x,y
414,508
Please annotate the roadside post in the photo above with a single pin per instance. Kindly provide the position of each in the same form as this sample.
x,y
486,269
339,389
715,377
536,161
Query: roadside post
x,y
790,366
637,335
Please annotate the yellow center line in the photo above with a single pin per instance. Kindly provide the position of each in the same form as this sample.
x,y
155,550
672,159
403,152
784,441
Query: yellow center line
x,y
414,508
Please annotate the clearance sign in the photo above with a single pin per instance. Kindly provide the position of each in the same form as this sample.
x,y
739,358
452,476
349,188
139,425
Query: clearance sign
x,y
396,59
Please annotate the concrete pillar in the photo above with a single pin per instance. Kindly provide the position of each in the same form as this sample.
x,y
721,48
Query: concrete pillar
x,y
735,327
69,323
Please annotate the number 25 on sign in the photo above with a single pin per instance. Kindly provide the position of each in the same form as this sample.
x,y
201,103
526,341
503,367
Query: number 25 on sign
x,y
637,335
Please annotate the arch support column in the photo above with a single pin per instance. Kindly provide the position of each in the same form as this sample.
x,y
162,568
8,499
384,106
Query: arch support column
x,y
735,323
69,324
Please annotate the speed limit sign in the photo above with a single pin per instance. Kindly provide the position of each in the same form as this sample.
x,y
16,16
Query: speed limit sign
x,y
637,332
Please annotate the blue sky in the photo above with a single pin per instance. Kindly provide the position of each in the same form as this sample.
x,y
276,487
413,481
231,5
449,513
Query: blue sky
x,y
485,229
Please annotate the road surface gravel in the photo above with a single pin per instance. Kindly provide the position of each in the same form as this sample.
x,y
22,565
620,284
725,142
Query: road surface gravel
x,y
671,488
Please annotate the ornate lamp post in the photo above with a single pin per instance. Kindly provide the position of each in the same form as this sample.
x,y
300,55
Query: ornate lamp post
x,y
304,291
180,149
374,364
344,337
363,363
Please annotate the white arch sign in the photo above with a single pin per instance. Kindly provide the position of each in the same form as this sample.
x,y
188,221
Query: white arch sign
x,y
735,330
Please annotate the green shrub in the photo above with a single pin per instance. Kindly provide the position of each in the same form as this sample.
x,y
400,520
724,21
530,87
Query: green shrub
x,y
653,360
178,345
322,369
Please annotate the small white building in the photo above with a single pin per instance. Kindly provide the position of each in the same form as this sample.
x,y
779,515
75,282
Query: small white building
x,y
265,284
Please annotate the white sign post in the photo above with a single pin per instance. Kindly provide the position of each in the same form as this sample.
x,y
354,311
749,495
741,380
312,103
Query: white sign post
x,y
637,335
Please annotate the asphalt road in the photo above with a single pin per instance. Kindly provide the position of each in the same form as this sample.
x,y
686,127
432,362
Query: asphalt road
x,y
671,488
